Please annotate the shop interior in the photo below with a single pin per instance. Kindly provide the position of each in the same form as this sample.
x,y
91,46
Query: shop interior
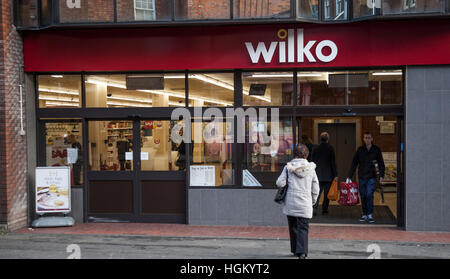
x,y
346,135
111,141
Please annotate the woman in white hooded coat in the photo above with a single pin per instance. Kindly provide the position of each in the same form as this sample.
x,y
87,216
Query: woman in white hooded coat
x,y
303,191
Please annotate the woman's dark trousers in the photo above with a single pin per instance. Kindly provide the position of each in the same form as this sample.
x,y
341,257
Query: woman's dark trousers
x,y
298,233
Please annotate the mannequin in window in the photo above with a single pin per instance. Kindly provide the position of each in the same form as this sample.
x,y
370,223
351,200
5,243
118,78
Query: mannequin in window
x,y
78,165
123,146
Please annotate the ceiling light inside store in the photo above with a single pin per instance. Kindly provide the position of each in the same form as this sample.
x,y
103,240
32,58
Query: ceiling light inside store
x,y
158,92
219,83
130,99
309,75
109,103
59,91
387,74
49,103
57,76
47,98
271,75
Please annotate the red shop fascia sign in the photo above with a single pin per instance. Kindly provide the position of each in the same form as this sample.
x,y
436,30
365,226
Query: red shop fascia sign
x,y
363,44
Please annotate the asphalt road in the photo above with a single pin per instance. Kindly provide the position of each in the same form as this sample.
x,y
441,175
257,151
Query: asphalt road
x,y
51,246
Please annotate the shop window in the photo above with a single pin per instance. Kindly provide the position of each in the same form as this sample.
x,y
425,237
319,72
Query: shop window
x,y
308,9
413,6
158,152
111,145
26,13
46,12
143,10
219,9
380,88
150,90
212,154
261,9
59,91
268,88
64,147
86,11
363,8
315,88
350,88
335,10
268,147
211,89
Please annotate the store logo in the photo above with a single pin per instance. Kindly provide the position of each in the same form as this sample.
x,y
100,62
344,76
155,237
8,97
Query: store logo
x,y
71,4
303,50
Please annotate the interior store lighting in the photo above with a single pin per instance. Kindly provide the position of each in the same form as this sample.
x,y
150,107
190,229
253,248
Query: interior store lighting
x,y
387,73
65,91
285,75
50,103
219,83
130,99
46,98
158,92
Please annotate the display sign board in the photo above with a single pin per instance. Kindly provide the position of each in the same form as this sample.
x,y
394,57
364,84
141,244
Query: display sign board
x,y
390,162
202,176
387,127
248,180
72,155
52,190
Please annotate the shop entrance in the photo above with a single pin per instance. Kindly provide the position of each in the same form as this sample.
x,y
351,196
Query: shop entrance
x,y
345,136
135,172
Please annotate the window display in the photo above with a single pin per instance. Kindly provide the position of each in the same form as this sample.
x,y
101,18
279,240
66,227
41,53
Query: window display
x,y
64,147
158,152
213,147
111,145
268,147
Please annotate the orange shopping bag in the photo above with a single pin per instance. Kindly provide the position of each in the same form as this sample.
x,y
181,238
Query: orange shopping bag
x,y
333,194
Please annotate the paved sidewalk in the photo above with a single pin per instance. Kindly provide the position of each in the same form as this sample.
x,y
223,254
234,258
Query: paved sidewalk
x,y
369,233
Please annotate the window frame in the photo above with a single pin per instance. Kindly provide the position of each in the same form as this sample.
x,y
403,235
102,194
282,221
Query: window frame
x,y
136,9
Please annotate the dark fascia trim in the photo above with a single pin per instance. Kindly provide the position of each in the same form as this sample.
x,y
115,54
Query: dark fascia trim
x,y
220,22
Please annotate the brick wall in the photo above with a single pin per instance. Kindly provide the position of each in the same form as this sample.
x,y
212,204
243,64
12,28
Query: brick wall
x,y
103,11
89,11
13,158
261,8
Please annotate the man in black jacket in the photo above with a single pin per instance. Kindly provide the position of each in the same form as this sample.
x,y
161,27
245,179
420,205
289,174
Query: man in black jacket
x,y
324,158
364,158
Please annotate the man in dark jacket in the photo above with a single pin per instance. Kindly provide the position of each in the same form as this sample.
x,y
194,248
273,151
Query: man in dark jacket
x,y
307,141
364,159
324,158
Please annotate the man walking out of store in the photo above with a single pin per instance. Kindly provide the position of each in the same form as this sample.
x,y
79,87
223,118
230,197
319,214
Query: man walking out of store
x,y
364,159
324,157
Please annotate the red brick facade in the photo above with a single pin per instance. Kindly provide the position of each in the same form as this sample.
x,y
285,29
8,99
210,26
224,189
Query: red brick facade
x,y
13,155
103,11
89,11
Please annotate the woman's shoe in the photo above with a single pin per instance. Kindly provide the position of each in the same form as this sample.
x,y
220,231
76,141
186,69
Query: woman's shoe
x,y
301,256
